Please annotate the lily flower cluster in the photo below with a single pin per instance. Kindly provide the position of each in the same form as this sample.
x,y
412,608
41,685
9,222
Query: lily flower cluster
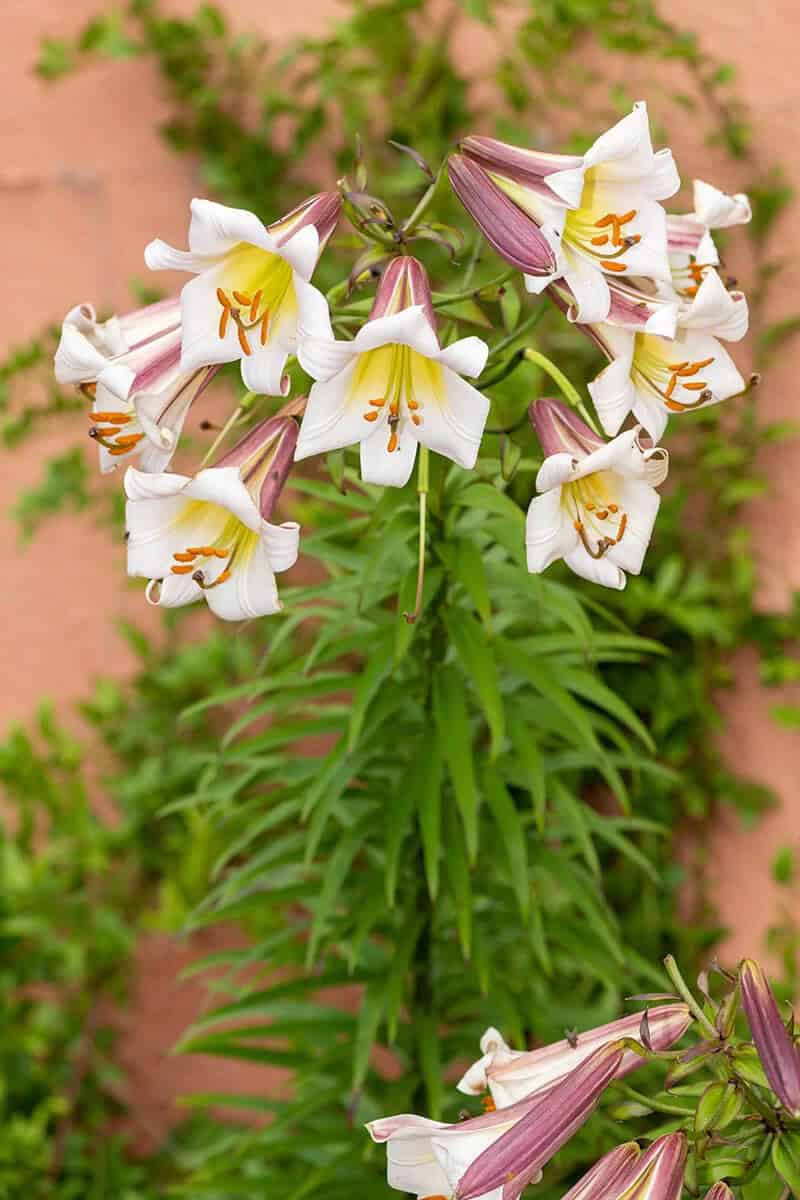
x,y
722,1127
588,230
536,1101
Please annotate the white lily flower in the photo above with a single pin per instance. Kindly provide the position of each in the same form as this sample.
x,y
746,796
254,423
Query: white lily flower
x,y
653,376
598,502
599,212
692,252
393,386
130,368
210,536
252,282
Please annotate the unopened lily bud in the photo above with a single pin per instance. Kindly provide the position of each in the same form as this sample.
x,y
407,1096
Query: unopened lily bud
x,y
720,1191
778,1053
507,229
322,211
561,431
404,284
518,1156
624,1173
265,455
511,1075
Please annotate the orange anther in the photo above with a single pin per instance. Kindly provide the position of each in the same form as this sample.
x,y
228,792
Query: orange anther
x,y
675,406
182,570
600,240
623,523
113,418
613,508
417,420
612,265
590,507
242,299
696,387
677,366
378,403
195,550
578,526
183,556
255,304
130,439
223,299
602,514
488,1104
392,442
370,416
265,328
223,322
605,221
243,342
704,362
628,216
117,451
670,388
413,405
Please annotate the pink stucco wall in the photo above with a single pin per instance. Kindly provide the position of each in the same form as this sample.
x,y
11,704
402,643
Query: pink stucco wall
x,y
84,183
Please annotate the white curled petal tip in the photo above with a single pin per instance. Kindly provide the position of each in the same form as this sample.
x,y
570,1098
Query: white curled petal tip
x,y
466,356
718,210
555,470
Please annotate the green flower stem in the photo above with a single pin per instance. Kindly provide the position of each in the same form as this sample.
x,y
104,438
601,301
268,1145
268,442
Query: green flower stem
x,y
530,323
568,390
427,196
661,1106
683,990
423,485
444,298
237,414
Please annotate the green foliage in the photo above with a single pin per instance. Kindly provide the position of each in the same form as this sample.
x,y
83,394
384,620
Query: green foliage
x,y
423,828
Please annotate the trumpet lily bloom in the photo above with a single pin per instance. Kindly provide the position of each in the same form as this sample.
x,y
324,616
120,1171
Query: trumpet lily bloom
x,y
626,1172
394,387
130,368
497,1155
251,284
210,536
598,212
692,252
779,1055
512,1075
598,502
653,376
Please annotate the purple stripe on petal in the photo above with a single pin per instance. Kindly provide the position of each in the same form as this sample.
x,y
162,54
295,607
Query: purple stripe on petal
x,y
779,1056
404,284
561,431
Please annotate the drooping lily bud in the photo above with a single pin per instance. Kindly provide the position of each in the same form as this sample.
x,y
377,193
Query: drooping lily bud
x,y
209,536
511,1075
720,1191
657,1174
322,211
517,1157
780,1057
404,284
560,430
508,230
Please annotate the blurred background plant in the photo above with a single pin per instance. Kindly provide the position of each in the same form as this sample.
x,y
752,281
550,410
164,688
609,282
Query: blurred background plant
x,y
472,820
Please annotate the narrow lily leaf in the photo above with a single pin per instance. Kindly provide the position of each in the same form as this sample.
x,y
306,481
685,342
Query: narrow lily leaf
x,y
427,786
786,1159
398,974
467,311
469,568
607,830
489,499
377,669
373,1004
530,758
576,818
335,874
399,816
429,1047
591,688
512,833
455,737
457,871
477,658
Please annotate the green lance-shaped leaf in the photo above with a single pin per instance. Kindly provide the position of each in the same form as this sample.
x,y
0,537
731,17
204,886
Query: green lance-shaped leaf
x,y
466,563
398,823
529,756
333,880
429,1043
477,658
457,872
376,670
426,784
512,832
455,737
370,1014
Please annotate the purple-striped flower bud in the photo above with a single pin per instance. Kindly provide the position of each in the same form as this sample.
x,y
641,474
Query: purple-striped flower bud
x,y
720,1191
779,1055
265,455
322,211
511,1075
516,1158
623,1173
561,431
404,284
509,231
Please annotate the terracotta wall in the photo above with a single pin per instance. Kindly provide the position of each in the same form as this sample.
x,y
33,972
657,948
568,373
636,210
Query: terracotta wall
x,y
85,182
